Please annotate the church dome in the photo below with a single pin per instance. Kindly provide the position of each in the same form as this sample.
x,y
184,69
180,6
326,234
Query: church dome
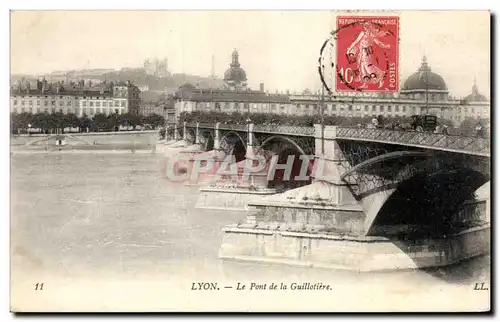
x,y
235,74
475,96
187,87
424,79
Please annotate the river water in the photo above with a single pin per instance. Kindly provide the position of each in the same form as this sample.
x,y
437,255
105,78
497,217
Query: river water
x,y
107,232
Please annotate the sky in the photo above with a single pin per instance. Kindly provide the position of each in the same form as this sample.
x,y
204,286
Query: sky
x,y
278,48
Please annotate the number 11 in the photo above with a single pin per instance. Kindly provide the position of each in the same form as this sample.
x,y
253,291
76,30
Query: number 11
x,y
39,287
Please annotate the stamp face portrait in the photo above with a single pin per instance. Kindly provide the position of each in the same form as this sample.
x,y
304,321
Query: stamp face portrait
x,y
367,54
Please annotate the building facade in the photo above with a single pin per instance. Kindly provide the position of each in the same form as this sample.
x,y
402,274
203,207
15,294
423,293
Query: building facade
x,y
105,98
231,101
156,67
423,92
158,109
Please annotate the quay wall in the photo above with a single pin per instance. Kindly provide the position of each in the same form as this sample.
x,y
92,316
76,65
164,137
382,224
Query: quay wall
x,y
356,253
130,137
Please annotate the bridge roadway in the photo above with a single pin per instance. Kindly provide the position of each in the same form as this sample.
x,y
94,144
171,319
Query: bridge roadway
x,y
428,140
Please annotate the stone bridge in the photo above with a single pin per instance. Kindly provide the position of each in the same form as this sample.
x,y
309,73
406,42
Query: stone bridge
x,y
375,186
380,169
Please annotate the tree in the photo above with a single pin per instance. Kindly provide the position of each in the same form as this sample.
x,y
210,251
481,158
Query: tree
x,y
73,120
129,119
85,122
113,122
24,119
124,119
39,121
99,122
59,121
144,120
15,122
134,120
154,120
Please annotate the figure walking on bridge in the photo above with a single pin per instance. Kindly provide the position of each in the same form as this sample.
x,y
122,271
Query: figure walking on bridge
x,y
479,130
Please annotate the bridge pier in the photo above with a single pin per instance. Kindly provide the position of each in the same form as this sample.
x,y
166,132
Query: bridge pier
x,y
177,141
217,137
197,141
176,133
236,190
233,192
184,132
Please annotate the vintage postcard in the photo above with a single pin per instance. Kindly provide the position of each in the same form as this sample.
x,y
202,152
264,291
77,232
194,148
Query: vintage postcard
x,y
250,161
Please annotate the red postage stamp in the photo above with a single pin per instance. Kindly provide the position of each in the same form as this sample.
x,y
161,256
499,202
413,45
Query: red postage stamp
x,y
367,54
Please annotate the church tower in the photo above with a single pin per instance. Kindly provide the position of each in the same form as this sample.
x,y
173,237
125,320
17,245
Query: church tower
x,y
235,77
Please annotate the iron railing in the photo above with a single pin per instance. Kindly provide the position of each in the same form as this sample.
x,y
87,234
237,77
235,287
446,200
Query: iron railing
x,y
234,127
207,126
285,129
473,145
454,143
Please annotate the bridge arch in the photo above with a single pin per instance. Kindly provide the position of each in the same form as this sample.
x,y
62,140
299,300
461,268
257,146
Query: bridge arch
x,y
236,134
403,189
281,138
191,136
382,158
207,140
281,147
232,143
430,204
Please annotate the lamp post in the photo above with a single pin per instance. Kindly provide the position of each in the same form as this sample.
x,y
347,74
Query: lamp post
x,y
426,93
322,118
248,121
29,129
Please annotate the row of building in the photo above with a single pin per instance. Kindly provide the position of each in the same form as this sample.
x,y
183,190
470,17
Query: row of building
x,y
83,100
424,92
77,98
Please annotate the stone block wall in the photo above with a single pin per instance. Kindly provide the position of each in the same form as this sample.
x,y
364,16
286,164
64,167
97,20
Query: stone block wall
x,y
352,253
304,218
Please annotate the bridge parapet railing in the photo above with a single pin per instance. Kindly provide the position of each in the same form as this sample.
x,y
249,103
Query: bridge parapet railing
x,y
201,125
475,145
207,125
285,129
234,127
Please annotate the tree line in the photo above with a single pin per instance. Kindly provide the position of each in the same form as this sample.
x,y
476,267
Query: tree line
x,y
55,122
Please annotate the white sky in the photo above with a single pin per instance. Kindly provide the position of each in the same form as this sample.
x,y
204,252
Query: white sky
x,y
279,48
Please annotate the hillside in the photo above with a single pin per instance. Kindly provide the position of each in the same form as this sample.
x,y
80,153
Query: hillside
x,y
136,75
139,77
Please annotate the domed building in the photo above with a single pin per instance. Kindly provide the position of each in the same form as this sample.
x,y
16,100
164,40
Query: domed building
x,y
235,77
425,84
475,96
